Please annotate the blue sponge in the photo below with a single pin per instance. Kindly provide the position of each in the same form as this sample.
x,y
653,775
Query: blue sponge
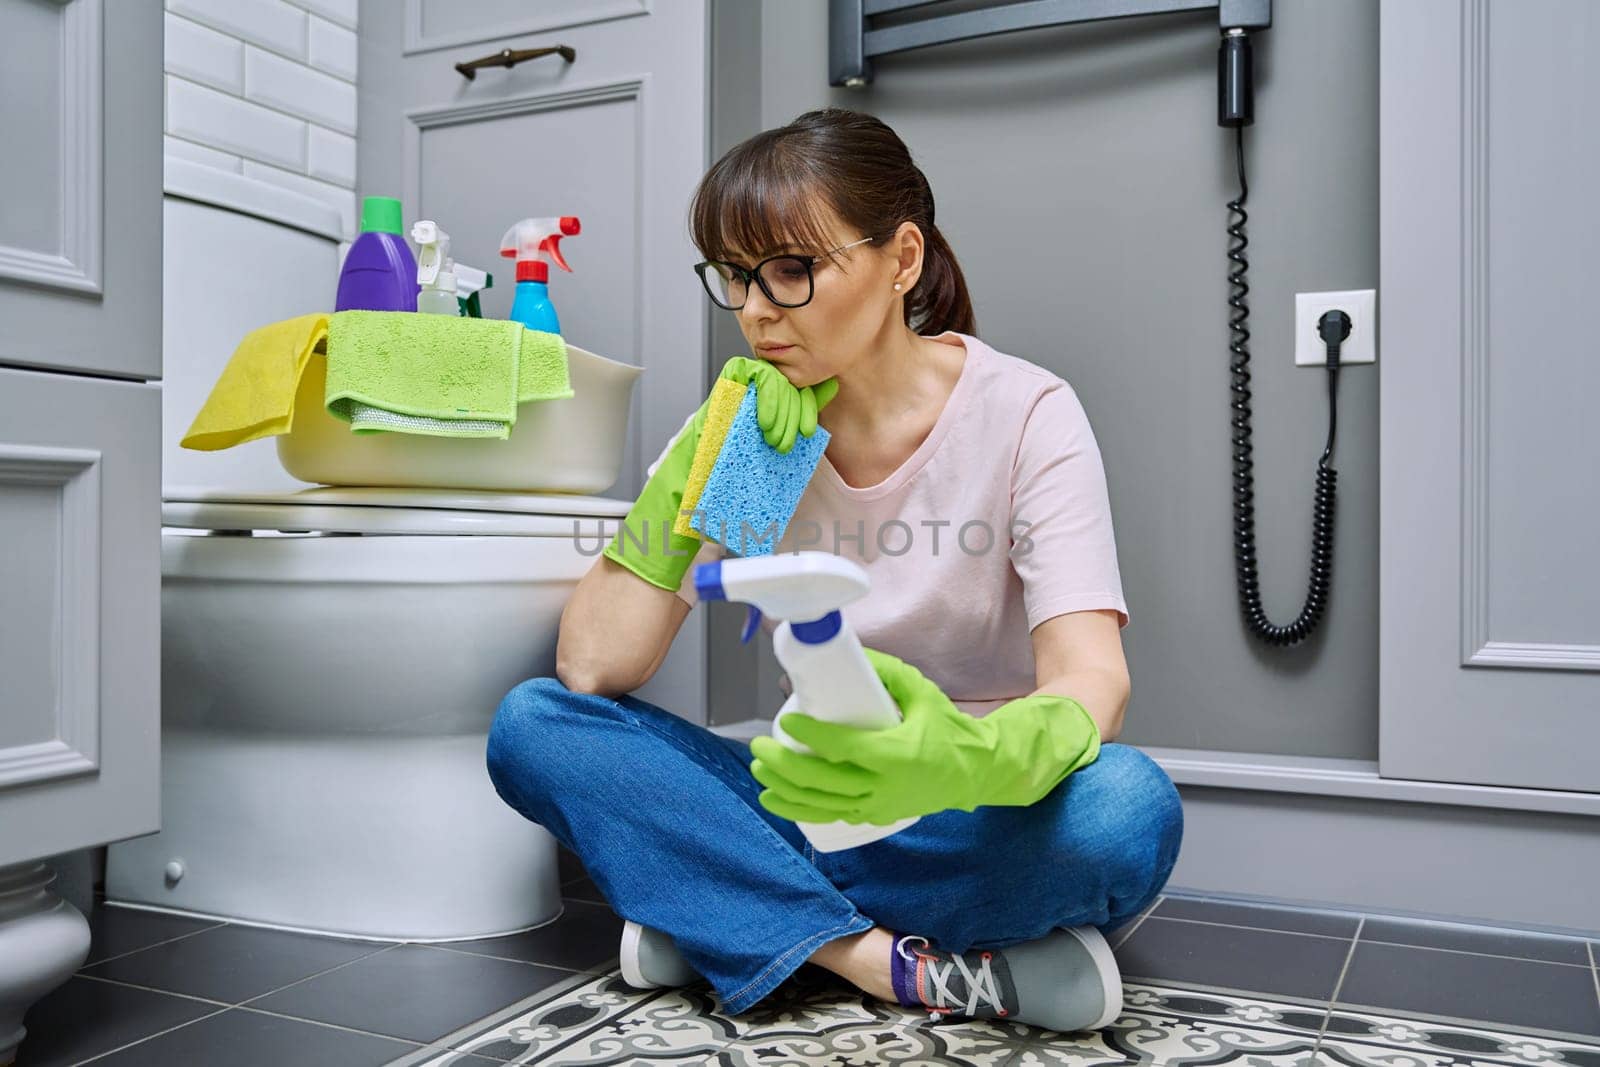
x,y
753,483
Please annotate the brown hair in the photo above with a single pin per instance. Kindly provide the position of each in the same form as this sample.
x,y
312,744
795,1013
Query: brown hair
x,y
762,195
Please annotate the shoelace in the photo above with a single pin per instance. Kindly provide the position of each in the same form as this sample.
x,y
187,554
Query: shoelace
x,y
980,986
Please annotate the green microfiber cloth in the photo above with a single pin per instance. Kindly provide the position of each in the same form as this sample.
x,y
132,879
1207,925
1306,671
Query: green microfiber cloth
x,y
753,489
542,367
438,375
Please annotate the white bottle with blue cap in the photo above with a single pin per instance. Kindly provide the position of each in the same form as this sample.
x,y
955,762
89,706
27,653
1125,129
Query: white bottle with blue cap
x,y
832,678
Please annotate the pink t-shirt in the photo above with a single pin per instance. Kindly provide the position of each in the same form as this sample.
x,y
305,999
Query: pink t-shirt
x,y
998,521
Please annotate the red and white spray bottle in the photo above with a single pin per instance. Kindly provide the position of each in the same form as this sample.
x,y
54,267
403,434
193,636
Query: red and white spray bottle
x,y
526,242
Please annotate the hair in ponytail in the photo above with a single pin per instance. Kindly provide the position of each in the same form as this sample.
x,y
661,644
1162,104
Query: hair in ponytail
x,y
764,194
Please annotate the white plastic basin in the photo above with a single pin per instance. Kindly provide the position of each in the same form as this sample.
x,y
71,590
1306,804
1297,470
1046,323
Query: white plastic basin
x,y
572,445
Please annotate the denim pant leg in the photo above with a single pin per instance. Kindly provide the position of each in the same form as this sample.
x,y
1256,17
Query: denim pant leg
x,y
1095,851
664,815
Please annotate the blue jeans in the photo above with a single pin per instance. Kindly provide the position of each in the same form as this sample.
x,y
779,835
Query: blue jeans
x,y
664,815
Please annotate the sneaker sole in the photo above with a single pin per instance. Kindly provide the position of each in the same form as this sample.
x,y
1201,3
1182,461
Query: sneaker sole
x,y
1106,966
629,957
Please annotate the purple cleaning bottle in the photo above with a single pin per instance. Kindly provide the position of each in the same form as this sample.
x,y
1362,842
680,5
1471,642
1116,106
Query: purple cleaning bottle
x,y
380,273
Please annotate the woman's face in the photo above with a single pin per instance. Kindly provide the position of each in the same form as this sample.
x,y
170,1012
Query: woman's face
x,y
852,303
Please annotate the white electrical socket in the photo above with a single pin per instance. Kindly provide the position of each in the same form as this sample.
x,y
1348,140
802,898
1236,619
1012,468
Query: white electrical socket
x,y
1360,347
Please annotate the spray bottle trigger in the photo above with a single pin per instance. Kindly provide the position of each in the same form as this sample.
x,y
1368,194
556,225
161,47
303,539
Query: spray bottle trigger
x,y
751,621
552,244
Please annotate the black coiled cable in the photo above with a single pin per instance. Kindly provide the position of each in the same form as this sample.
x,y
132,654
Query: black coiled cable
x,y
1334,327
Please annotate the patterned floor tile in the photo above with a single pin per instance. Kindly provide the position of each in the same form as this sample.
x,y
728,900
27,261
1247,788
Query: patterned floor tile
x,y
868,1041
816,1017
1168,1025
598,1020
592,1019
1368,1039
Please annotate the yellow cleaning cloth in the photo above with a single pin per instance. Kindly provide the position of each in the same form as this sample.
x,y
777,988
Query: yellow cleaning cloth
x,y
254,397
726,396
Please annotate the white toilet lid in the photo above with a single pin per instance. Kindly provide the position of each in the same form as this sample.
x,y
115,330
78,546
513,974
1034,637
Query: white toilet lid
x,y
378,510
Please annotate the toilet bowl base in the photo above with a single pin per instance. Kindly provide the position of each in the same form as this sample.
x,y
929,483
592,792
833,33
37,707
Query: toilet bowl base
x,y
376,837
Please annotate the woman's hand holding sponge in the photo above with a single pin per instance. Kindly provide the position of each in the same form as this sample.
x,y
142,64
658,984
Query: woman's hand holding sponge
x,y
783,412
781,409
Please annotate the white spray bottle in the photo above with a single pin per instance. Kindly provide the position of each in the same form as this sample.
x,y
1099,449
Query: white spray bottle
x,y
435,270
832,678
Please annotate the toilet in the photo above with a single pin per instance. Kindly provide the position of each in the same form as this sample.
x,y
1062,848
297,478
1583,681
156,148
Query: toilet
x,y
332,655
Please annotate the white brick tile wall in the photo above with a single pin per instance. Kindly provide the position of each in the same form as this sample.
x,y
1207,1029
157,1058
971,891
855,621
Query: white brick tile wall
x,y
332,157
267,89
340,199
178,148
341,11
217,120
204,55
267,23
333,49
299,90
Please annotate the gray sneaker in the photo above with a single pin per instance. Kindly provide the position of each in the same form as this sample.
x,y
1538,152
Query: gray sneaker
x,y
651,958
1067,980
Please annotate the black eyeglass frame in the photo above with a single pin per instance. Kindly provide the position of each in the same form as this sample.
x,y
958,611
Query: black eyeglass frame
x,y
755,272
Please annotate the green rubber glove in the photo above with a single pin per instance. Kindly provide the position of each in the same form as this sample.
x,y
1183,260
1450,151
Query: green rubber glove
x,y
645,543
937,757
781,409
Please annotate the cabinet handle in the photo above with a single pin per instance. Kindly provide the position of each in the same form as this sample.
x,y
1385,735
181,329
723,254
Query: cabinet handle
x,y
508,58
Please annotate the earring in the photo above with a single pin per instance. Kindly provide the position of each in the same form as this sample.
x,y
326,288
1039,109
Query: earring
x,y
897,285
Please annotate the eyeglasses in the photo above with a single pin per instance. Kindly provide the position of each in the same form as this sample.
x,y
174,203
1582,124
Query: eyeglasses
x,y
787,280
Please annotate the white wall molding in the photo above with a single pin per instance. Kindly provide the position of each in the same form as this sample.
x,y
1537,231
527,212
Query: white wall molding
x,y
1477,648
77,266
1355,778
75,748
542,18
250,196
1331,832
635,90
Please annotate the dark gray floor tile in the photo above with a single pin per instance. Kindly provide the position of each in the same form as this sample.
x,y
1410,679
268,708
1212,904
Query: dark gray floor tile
x,y
232,963
1259,916
82,1018
114,931
1491,989
415,992
583,888
1524,946
1233,957
585,938
1118,933
239,1037
568,865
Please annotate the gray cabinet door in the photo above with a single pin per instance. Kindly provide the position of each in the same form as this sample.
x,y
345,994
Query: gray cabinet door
x,y
80,612
80,452
80,186
1489,663
618,138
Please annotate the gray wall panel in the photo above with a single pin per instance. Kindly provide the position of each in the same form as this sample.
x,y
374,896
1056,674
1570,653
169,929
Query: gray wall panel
x,y
1082,180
